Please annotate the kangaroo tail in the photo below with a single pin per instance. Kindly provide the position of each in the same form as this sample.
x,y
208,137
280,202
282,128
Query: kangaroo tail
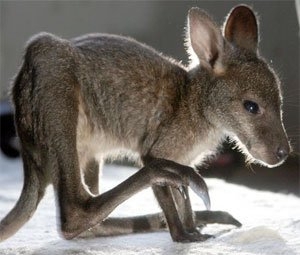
x,y
30,197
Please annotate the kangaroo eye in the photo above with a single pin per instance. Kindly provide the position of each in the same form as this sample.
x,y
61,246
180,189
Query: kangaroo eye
x,y
251,107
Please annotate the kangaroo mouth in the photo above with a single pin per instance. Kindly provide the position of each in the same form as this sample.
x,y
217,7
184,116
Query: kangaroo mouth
x,y
258,153
266,157
269,165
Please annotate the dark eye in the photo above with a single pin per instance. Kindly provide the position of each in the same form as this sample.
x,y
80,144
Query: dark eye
x,y
251,107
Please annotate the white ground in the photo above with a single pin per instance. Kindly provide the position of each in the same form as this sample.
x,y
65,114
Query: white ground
x,y
271,222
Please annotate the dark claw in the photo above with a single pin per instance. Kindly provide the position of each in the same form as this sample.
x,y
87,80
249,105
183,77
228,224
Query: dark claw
x,y
183,192
199,186
190,176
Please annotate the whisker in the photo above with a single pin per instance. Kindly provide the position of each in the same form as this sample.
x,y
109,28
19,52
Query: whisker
x,y
292,105
249,166
290,92
294,154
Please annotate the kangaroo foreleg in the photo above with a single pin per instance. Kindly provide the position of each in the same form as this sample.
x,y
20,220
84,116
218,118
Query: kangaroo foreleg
x,y
183,204
182,223
176,206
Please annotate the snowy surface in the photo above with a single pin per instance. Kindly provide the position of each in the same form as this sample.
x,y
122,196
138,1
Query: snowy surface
x,y
271,222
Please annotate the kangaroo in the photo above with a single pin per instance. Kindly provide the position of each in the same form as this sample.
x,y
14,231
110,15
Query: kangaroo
x,y
80,101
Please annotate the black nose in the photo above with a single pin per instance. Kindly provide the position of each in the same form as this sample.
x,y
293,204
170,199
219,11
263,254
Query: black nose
x,y
282,153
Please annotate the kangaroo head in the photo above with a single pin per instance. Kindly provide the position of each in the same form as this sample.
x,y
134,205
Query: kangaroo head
x,y
244,98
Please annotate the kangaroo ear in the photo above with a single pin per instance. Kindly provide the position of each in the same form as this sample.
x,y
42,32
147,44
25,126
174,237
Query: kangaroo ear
x,y
241,28
204,39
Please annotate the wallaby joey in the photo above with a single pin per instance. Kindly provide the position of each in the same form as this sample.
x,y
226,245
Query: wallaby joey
x,y
80,101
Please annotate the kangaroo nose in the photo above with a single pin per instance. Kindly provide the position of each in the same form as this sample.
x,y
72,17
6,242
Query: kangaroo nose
x,y
281,153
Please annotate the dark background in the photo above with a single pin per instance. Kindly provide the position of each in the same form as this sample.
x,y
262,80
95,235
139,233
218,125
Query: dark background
x,y
161,25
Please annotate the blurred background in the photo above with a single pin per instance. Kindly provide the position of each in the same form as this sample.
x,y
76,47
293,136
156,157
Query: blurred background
x,y
160,24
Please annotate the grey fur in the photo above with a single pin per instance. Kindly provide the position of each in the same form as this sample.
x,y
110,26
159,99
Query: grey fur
x,y
80,101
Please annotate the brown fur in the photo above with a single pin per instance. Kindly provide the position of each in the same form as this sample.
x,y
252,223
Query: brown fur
x,y
78,102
